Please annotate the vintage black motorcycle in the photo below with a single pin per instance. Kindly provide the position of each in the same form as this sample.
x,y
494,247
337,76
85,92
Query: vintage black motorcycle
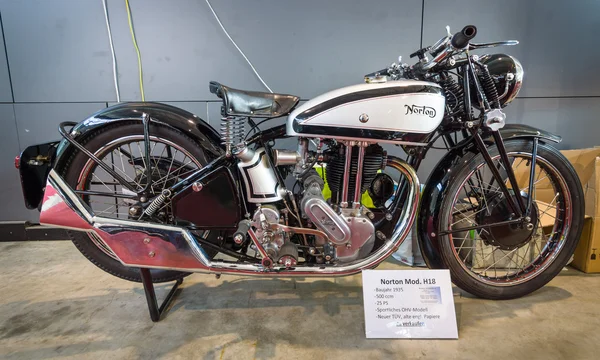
x,y
152,186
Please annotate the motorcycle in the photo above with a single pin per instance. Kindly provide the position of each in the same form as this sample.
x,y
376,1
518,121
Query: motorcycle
x,y
147,185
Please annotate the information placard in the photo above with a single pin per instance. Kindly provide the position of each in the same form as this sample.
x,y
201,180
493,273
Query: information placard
x,y
409,304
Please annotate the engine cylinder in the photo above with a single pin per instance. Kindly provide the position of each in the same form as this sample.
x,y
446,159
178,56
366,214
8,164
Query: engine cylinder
x,y
373,161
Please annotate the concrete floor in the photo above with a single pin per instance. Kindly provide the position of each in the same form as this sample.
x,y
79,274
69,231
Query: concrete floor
x,y
54,304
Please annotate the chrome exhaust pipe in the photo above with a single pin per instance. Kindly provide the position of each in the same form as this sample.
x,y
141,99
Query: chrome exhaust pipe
x,y
149,245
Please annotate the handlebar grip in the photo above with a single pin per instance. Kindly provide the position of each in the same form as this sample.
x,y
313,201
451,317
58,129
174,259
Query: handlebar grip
x,y
461,39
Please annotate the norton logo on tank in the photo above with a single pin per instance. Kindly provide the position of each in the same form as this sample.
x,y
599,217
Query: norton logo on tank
x,y
420,110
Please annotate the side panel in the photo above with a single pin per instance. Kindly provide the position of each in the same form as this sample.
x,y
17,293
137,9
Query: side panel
x,y
259,177
216,205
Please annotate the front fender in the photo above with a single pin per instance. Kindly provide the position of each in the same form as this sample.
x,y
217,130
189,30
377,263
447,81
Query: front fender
x,y
437,184
177,118
519,131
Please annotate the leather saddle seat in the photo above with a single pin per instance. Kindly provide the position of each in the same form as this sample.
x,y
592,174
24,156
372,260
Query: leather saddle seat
x,y
253,103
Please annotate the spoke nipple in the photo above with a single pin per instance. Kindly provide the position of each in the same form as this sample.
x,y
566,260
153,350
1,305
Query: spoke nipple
x,y
151,254
146,240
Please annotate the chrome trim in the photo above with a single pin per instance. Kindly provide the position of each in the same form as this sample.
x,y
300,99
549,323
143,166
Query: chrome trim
x,y
115,226
256,242
327,220
506,86
346,179
285,157
72,200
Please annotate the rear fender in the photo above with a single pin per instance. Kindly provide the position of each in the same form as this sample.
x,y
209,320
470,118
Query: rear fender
x,y
34,173
438,181
177,118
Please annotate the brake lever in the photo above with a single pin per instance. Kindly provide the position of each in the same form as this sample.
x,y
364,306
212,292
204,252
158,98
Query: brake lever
x,y
473,46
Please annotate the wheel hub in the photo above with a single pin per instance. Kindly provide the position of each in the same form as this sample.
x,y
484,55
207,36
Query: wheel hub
x,y
510,236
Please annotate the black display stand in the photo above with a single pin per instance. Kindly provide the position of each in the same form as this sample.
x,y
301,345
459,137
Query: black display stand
x,y
157,312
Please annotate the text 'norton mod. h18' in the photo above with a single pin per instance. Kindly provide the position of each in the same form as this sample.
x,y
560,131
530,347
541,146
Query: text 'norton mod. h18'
x,y
147,185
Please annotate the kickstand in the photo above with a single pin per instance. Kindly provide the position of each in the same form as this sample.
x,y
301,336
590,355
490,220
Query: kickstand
x,y
156,312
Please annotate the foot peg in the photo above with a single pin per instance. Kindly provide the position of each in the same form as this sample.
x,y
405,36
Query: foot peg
x,y
288,254
240,234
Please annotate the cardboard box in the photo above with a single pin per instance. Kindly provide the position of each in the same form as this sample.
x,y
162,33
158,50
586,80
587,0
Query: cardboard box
x,y
587,165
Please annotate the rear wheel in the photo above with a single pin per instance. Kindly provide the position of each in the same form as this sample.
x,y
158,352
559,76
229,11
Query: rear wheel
x,y
173,156
509,261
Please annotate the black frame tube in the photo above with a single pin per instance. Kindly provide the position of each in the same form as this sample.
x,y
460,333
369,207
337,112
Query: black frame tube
x,y
509,171
99,193
146,122
157,312
531,175
64,133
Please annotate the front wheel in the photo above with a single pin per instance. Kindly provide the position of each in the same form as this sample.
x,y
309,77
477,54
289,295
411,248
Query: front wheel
x,y
510,261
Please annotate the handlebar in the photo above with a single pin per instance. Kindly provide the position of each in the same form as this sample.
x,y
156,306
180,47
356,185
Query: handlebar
x,y
461,39
444,48
447,46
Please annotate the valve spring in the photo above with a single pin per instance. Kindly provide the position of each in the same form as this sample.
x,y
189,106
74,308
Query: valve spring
x,y
455,95
232,131
489,87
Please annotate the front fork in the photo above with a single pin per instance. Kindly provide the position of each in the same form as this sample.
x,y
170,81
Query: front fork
x,y
520,209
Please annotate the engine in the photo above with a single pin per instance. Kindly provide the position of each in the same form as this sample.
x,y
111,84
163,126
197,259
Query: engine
x,y
305,224
348,228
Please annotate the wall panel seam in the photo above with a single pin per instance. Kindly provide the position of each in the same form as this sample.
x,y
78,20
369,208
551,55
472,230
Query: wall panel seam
x,y
12,93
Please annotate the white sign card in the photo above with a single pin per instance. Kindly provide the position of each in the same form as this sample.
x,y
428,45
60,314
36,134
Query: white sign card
x,y
409,304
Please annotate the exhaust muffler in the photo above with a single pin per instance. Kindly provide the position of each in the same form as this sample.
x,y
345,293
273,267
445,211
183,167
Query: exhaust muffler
x,y
150,245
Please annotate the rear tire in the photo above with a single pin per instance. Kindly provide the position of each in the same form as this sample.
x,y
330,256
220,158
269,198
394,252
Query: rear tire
x,y
495,286
73,167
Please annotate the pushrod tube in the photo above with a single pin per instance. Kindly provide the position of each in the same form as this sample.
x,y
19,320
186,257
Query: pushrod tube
x,y
346,178
359,170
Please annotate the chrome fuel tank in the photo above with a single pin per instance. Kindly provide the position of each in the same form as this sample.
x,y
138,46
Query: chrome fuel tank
x,y
403,111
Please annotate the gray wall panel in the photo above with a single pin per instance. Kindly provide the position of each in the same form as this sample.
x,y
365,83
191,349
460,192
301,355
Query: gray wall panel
x,y
299,47
575,119
213,114
197,108
559,46
58,50
5,91
38,123
13,207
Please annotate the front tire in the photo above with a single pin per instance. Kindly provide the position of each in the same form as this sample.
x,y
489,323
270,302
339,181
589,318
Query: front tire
x,y
508,262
